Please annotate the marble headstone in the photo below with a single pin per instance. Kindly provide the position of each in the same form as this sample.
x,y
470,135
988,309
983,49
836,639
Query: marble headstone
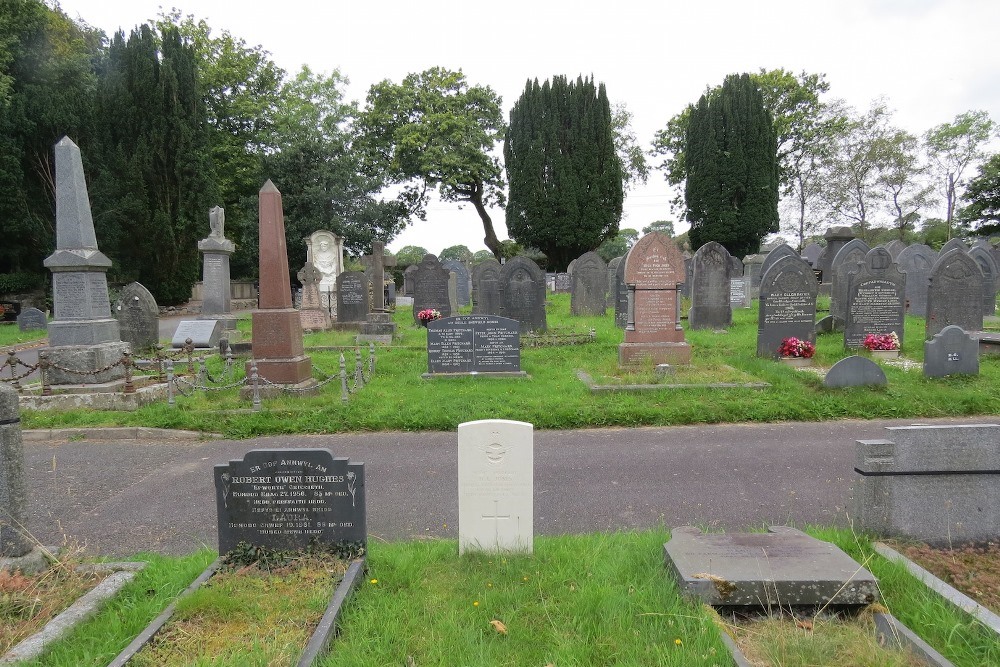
x,y
325,251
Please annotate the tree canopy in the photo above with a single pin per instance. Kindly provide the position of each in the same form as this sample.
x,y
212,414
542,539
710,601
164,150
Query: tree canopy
x,y
983,198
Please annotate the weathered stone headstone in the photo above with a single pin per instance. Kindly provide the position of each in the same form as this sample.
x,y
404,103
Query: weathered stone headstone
x,y
688,276
590,285
277,332
894,247
14,540
290,499
453,291
621,294
495,486
564,282
313,314
138,317
855,372
847,261
916,262
30,319
781,568
875,299
933,484
989,268
486,288
325,251
787,305
612,272
811,254
953,244
408,280
954,293
203,333
654,270
735,267
375,265
751,271
836,238
783,250
951,352
462,280
83,336
474,344
710,307
739,295
216,289
352,297
522,293
430,287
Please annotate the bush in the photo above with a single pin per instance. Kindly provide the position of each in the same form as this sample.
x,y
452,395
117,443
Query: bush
x,y
11,283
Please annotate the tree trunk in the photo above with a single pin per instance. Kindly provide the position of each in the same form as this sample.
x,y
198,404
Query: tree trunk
x,y
491,240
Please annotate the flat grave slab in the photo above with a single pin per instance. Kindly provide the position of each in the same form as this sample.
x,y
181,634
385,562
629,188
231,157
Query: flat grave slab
x,y
203,333
783,567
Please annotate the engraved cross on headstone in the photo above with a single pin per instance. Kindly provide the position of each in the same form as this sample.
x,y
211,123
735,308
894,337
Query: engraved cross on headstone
x,y
376,263
496,517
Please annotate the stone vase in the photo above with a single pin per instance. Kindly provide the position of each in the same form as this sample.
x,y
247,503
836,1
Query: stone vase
x,y
796,362
884,354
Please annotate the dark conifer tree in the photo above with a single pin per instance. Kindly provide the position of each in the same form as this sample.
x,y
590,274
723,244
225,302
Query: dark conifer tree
x,y
731,163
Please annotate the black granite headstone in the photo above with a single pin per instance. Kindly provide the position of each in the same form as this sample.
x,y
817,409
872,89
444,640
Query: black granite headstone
x,y
875,299
352,297
954,295
522,293
855,372
787,305
951,352
290,499
474,344
430,287
710,307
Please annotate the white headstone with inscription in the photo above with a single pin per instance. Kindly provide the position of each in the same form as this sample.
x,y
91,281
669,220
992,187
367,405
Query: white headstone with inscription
x,y
496,469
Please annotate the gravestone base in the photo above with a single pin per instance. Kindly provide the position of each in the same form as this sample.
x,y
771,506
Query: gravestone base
x,y
289,371
499,374
30,563
314,320
85,358
653,354
70,333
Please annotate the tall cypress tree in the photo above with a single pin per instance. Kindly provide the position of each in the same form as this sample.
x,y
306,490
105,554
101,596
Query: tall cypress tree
x,y
565,178
731,165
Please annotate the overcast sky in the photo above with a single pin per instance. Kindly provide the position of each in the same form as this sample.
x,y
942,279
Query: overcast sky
x,y
932,59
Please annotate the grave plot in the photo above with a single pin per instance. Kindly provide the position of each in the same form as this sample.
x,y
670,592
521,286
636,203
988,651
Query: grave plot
x,y
788,598
293,537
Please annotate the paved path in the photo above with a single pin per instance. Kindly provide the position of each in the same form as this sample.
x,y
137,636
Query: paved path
x,y
121,497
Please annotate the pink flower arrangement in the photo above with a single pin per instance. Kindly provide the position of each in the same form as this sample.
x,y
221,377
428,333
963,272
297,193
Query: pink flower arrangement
x,y
429,314
889,341
793,347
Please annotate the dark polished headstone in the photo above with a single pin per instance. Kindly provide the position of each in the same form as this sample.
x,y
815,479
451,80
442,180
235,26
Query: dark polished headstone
x,y
783,250
486,288
710,307
462,280
875,299
352,297
951,352
430,287
787,305
522,293
916,261
474,344
847,261
138,317
31,319
590,285
290,499
954,294
855,372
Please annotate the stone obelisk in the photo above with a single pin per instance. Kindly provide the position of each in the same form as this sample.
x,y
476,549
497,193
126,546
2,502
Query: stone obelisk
x,y
83,336
277,331
215,287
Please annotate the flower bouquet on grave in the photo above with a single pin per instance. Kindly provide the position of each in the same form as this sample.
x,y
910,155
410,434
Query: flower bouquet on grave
x,y
796,352
428,315
884,346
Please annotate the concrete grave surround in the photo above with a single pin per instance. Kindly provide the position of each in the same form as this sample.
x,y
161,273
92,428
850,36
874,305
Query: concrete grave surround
x,y
83,336
916,261
855,371
954,293
876,299
589,295
138,317
216,287
522,293
781,568
951,352
14,543
430,287
486,288
710,288
935,484
787,305
203,333
30,319
496,486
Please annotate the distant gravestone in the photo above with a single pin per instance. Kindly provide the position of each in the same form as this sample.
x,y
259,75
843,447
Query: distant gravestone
x,y
612,271
783,567
783,250
462,280
474,344
836,238
989,268
710,307
408,280
916,262
312,314
855,372
811,254
564,282
486,288
31,319
735,267
847,261
290,499
621,294
953,244
430,287
688,275
453,292
751,271
875,299
495,486
894,247
787,305
590,285
138,317
352,297
216,287
522,293
739,295
203,333
951,352
954,293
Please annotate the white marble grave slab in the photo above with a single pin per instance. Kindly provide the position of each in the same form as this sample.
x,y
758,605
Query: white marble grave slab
x,y
496,472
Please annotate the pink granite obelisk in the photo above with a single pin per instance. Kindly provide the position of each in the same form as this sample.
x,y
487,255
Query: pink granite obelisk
x,y
277,332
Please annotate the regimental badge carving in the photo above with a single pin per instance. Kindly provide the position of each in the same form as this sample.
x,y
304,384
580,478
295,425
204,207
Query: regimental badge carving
x,y
495,451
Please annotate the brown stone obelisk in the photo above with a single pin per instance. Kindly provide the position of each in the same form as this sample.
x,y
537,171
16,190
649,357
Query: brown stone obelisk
x,y
277,331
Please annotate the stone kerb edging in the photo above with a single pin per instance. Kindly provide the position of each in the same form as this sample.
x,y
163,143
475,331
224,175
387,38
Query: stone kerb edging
x,y
79,611
116,433
955,597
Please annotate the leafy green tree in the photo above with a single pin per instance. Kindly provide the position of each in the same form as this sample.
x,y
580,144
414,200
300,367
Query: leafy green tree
x,y
435,131
481,256
731,190
662,226
953,148
566,177
618,245
983,197
155,181
459,252
633,160
902,179
409,255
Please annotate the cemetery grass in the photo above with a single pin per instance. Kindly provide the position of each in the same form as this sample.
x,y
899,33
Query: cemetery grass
x,y
554,398
11,335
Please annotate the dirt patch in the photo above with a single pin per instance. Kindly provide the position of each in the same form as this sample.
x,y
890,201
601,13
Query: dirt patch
x,y
974,570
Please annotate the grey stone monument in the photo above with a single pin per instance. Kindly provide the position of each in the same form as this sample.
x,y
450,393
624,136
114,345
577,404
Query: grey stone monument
x,y
430,287
811,254
462,280
31,319
216,289
138,316
590,285
408,280
312,314
836,238
951,352
954,293
522,293
894,247
847,261
621,294
379,326
83,336
875,299
855,372
14,542
710,307
953,244
916,262
787,305
486,288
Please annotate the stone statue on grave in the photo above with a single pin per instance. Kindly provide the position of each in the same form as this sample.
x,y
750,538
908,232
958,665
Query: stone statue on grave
x,y
217,221
325,251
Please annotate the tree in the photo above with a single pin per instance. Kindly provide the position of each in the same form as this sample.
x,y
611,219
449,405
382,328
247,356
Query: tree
x,y
618,245
566,178
459,252
632,159
731,190
434,130
661,226
409,255
481,256
983,197
953,148
902,179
